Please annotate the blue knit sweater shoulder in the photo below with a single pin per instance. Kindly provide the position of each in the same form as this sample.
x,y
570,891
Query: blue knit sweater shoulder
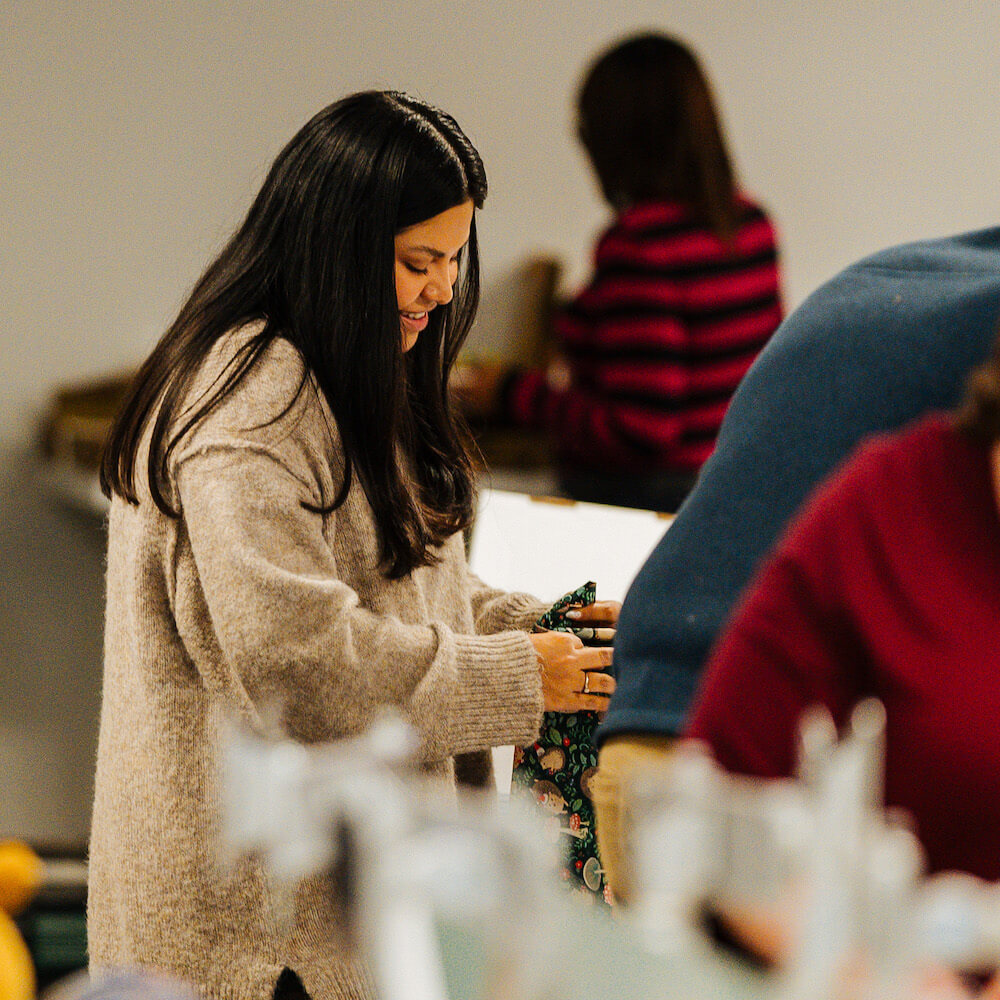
x,y
886,340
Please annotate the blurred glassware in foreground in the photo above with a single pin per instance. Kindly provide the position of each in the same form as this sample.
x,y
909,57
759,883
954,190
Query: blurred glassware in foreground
x,y
456,897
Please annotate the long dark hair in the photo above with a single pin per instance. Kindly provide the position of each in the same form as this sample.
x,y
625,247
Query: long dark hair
x,y
314,260
648,122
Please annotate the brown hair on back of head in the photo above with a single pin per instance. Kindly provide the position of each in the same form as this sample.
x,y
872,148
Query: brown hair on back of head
x,y
649,124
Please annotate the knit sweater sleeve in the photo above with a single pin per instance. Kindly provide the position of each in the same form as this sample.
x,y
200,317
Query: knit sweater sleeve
x,y
288,628
497,610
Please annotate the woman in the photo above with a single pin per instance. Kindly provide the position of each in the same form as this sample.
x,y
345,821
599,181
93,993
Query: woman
x,y
887,584
684,294
289,491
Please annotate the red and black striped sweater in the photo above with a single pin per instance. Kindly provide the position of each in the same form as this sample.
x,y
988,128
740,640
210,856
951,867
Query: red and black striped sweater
x,y
656,344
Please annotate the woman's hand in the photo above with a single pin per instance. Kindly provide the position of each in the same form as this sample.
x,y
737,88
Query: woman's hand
x,y
598,613
595,623
573,675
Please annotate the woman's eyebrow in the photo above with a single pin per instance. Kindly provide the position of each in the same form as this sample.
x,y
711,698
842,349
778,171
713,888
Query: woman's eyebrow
x,y
431,251
422,248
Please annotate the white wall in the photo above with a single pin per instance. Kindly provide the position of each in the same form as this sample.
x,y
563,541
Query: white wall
x,y
135,134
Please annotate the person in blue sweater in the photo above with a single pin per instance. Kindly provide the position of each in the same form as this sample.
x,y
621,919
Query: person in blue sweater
x,y
888,339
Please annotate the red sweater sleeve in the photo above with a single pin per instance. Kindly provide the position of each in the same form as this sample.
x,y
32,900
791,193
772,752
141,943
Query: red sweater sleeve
x,y
602,413
886,585
791,643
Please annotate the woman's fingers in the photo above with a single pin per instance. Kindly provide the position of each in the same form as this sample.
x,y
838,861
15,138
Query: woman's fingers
x,y
595,623
596,634
595,657
597,686
591,702
597,683
598,613
574,676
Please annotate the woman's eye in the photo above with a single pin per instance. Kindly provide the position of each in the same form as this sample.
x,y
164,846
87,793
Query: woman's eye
x,y
415,270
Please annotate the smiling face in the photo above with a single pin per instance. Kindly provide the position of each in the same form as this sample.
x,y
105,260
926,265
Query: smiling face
x,y
427,265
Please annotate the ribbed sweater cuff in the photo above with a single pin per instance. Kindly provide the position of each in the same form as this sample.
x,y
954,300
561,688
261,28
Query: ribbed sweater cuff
x,y
519,611
504,704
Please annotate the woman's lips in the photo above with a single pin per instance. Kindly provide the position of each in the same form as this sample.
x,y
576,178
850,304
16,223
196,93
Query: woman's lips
x,y
414,321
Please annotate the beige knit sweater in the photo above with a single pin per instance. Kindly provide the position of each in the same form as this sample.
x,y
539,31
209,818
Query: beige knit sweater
x,y
246,597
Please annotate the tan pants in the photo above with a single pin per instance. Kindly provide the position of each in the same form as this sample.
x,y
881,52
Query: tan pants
x,y
764,931
617,759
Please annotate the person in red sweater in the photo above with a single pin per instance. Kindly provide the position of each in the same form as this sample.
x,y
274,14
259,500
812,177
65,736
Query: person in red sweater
x,y
684,295
886,584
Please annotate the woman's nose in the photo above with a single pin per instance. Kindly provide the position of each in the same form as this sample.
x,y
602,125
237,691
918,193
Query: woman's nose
x,y
439,289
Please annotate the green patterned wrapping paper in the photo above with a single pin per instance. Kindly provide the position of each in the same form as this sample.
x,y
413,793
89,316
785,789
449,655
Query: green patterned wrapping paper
x,y
556,771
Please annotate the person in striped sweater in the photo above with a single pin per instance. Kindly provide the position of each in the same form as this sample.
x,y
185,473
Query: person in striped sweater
x,y
685,290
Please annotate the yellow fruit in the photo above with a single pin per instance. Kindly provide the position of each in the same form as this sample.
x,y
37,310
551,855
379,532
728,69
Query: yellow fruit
x,y
17,976
20,875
